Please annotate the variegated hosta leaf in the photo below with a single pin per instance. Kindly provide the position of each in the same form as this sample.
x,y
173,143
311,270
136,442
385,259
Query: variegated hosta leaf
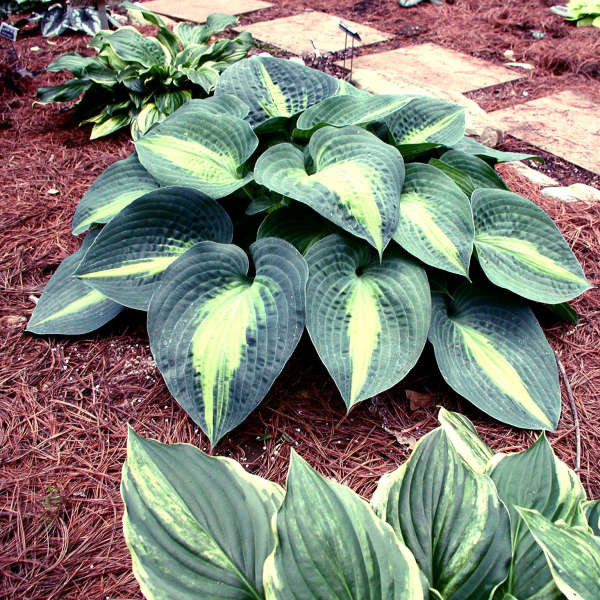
x,y
197,526
68,306
427,121
133,250
123,182
356,182
220,338
470,146
535,479
109,125
131,46
435,224
141,123
195,147
520,248
367,318
331,546
591,509
481,174
450,518
491,350
460,178
275,87
572,553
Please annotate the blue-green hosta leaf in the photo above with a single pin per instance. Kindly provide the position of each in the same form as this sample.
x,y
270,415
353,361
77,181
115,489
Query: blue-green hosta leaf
x,y
427,121
535,479
134,249
63,92
572,553
470,146
520,248
436,223
169,102
220,338
331,546
481,174
367,318
356,182
197,148
197,526
491,350
450,518
205,77
68,306
148,116
55,21
86,19
591,510
460,178
131,46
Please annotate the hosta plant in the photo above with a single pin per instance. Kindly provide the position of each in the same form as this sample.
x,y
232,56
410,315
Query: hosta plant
x,y
583,12
291,199
453,522
137,80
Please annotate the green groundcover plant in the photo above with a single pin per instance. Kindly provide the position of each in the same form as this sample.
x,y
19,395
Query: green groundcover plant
x,y
453,522
137,80
292,199
584,12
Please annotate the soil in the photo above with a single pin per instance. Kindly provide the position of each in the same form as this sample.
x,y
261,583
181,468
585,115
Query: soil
x,y
65,402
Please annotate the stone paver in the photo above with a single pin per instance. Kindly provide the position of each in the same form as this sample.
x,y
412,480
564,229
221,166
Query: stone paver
x,y
433,66
197,10
294,33
565,124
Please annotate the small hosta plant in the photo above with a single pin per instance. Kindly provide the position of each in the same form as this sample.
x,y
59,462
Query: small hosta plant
x,y
583,12
137,80
453,522
291,199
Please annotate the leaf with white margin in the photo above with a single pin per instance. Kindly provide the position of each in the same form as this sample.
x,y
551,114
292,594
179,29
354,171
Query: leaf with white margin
x,y
481,174
436,223
134,249
197,526
491,350
220,338
572,553
330,545
199,147
427,121
368,319
591,509
68,306
118,186
535,479
356,183
450,518
520,248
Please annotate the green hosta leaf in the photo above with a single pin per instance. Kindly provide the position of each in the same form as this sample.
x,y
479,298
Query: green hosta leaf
x,y
197,526
367,319
131,46
73,62
450,518
63,92
591,510
169,102
356,182
481,174
470,146
109,125
564,311
123,182
148,116
133,250
190,33
220,338
427,120
195,148
436,224
164,35
520,248
275,87
68,306
461,179
331,546
572,553
491,350
535,479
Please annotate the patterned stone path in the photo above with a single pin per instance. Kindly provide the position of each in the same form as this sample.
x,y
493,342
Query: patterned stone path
x,y
197,10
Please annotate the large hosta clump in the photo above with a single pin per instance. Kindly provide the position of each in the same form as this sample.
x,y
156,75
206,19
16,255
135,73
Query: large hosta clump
x,y
291,199
454,522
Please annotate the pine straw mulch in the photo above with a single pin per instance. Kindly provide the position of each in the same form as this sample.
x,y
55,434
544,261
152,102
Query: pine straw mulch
x,y
65,403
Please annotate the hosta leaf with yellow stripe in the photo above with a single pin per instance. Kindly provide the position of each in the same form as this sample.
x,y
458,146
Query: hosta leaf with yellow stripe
x,y
535,479
491,350
481,174
198,148
330,545
356,181
591,509
367,319
68,306
197,526
572,553
520,248
449,517
219,337
435,223
132,251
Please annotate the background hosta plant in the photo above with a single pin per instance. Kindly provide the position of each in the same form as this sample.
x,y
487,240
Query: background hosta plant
x,y
290,198
138,80
453,522
583,12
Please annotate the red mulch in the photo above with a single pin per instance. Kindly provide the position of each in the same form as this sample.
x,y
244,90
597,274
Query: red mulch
x,y
65,402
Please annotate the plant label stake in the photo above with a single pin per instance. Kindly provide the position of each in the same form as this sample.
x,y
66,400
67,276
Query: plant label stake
x,y
354,36
9,32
